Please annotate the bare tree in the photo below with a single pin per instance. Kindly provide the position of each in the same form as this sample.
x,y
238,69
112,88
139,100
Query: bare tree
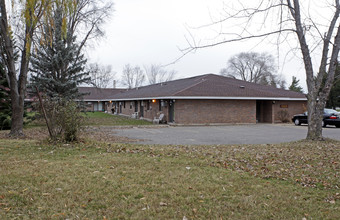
x,y
281,82
88,19
101,76
84,19
133,77
318,39
17,72
251,67
157,74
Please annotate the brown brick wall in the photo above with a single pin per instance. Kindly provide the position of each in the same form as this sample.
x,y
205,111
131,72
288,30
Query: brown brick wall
x,y
293,108
215,111
126,110
151,113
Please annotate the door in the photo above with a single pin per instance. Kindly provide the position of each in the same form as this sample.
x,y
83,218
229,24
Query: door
x,y
100,106
141,109
259,117
136,106
264,111
171,111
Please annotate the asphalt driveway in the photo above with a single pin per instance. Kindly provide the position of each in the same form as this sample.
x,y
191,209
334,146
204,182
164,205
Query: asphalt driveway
x,y
217,135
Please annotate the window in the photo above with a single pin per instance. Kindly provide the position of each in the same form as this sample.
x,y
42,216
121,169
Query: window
x,y
162,104
131,103
124,104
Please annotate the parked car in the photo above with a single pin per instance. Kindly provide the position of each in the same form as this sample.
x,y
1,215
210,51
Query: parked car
x,y
330,117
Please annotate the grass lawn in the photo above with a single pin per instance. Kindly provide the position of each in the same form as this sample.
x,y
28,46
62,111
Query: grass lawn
x,y
100,118
92,180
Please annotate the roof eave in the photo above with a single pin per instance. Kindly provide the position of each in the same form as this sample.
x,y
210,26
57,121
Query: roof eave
x,y
212,97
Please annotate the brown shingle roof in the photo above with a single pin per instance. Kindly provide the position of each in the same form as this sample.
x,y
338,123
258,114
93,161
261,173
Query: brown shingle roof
x,y
208,86
97,94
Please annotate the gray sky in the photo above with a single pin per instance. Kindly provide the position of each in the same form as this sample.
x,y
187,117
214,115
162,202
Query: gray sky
x,y
143,32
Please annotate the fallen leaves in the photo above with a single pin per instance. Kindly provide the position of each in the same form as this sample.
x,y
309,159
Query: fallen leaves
x,y
163,204
104,134
310,164
333,198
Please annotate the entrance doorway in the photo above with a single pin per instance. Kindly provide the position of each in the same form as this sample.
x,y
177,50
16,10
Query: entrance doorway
x,y
171,111
264,111
141,109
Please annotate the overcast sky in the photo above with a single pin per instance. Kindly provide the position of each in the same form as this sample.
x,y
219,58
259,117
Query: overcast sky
x,y
143,32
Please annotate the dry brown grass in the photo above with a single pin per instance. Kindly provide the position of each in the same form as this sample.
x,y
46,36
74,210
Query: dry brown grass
x,y
96,180
98,133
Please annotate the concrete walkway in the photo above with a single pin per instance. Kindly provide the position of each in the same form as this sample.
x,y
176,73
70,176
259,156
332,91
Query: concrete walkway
x,y
218,135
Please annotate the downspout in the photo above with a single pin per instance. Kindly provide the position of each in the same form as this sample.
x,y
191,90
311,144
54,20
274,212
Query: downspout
x,y
273,114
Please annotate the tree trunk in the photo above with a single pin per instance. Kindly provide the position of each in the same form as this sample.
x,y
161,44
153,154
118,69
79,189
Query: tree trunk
x,y
17,118
9,59
17,86
315,112
315,104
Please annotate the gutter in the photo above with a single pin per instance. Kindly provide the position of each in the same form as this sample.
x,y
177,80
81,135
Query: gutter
x,y
210,97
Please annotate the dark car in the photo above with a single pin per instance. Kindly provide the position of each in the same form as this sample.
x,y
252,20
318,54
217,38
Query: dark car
x,y
330,117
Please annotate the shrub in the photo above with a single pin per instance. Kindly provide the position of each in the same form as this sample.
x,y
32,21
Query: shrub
x,y
70,120
283,116
63,119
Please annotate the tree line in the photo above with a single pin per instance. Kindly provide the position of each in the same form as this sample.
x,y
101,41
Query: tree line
x,y
49,59
47,38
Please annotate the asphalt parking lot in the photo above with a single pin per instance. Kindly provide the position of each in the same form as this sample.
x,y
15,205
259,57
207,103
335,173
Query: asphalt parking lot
x,y
220,135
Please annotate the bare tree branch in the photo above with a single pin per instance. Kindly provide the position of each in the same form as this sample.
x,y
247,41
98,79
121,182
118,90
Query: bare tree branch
x,y
101,76
157,74
287,16
133,77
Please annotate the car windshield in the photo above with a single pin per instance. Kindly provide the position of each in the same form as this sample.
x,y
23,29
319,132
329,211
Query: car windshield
x,y
330,111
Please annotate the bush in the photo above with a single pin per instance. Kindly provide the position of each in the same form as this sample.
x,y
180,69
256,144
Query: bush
x,y
70,120
283,116
63,119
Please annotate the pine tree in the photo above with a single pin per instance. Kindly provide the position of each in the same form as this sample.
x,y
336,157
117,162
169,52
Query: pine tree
x,y
334,95
295,85
58,66
5,101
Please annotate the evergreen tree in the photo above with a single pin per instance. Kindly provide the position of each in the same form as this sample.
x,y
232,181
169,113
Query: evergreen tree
x,y
5,101
334,95
58,65
295,85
